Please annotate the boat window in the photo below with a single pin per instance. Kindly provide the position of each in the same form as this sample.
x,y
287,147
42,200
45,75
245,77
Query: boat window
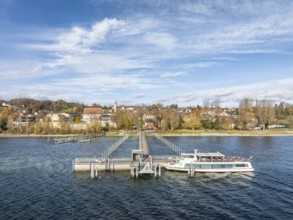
x,y
196,166
240,165
206,166
218,166
229,165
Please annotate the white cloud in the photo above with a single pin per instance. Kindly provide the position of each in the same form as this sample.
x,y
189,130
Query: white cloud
x,y
172,74
162,40
153,50
80,39
139,95
276,90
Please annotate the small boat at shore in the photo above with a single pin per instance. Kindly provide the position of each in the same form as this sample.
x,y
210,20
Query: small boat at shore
x,y
208,163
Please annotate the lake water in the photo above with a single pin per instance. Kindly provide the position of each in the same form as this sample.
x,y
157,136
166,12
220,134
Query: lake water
x,y
37,182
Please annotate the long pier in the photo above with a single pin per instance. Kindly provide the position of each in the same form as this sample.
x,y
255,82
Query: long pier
x,y
77,138
140,162
143,143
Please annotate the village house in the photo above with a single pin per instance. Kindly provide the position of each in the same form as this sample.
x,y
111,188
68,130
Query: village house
x,y
24,119
90,114
56,118
107,120
148,118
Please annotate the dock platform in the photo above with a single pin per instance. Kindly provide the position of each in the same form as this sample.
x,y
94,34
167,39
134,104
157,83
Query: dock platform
x,y
139,163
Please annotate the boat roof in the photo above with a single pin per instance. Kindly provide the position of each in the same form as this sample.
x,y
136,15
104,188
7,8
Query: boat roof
x,y
217,154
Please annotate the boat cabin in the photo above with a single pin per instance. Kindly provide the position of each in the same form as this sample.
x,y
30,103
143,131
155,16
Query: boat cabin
x,y
210,156
204,156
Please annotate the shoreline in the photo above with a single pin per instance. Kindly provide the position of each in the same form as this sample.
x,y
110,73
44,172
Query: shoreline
x,y
171,134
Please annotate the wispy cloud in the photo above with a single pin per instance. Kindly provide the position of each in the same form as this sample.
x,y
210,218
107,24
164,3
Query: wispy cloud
x,y
162,40
170,48
139,95
276,90
79,38
172,74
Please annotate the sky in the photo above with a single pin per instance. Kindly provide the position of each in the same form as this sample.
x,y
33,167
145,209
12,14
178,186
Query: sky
x,y
147,51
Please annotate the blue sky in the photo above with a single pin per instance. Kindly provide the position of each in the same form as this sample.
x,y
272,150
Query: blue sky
x,y
148,51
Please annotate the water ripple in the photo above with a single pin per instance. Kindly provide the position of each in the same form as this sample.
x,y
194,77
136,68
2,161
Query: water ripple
x,y
36,182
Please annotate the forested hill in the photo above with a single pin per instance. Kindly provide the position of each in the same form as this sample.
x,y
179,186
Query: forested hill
x,y
32,105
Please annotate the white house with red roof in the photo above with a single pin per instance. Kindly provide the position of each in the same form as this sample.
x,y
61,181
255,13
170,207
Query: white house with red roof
x,y
90,114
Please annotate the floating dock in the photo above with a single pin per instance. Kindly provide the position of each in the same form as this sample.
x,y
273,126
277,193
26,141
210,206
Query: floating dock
x,y
140,162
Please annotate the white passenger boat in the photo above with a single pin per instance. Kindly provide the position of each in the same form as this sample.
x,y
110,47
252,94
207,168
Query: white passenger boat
x,y
208,163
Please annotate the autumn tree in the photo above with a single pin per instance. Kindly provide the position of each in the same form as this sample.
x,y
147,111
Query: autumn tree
x,y
138,116
265,112
165,122
192,121
124,120
4,119
175,120
289,121
94,126
246,119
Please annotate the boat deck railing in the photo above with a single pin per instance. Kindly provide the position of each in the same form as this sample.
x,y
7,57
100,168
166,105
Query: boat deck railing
x,y
226,159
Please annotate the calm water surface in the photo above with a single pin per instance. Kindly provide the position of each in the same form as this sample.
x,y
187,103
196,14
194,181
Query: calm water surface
x,y
37,182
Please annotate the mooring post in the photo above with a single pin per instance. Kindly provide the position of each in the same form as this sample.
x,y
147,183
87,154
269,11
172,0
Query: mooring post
x,y
96,171
191,169
92,171
136,172
159,170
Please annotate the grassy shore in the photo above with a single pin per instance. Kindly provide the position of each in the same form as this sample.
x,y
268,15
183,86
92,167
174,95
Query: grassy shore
x,y
181,132
270,132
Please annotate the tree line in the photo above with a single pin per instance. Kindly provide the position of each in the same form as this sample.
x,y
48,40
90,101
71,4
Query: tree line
x,y
248,115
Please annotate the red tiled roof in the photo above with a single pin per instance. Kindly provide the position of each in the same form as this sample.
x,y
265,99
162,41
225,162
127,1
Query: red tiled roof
x,y
150,127
92,111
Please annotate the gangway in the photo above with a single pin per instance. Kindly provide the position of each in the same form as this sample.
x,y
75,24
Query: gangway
x,y
140,162
113,147
172,146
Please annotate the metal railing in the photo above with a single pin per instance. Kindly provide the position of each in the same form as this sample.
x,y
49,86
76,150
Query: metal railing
x,y
174,147
114,146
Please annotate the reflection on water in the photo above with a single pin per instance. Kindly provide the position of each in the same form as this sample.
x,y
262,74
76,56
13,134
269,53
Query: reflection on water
x,y
37,182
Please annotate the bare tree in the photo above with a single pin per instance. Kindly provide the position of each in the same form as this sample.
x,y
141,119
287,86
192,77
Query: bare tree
x,y
265,112
246,118
175,120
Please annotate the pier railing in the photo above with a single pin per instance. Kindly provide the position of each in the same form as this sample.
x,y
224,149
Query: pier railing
x,y
78,138
162,158
113,147
173,147
86,161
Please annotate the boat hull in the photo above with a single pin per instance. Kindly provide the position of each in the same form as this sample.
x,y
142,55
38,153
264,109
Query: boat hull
x,y
211,170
